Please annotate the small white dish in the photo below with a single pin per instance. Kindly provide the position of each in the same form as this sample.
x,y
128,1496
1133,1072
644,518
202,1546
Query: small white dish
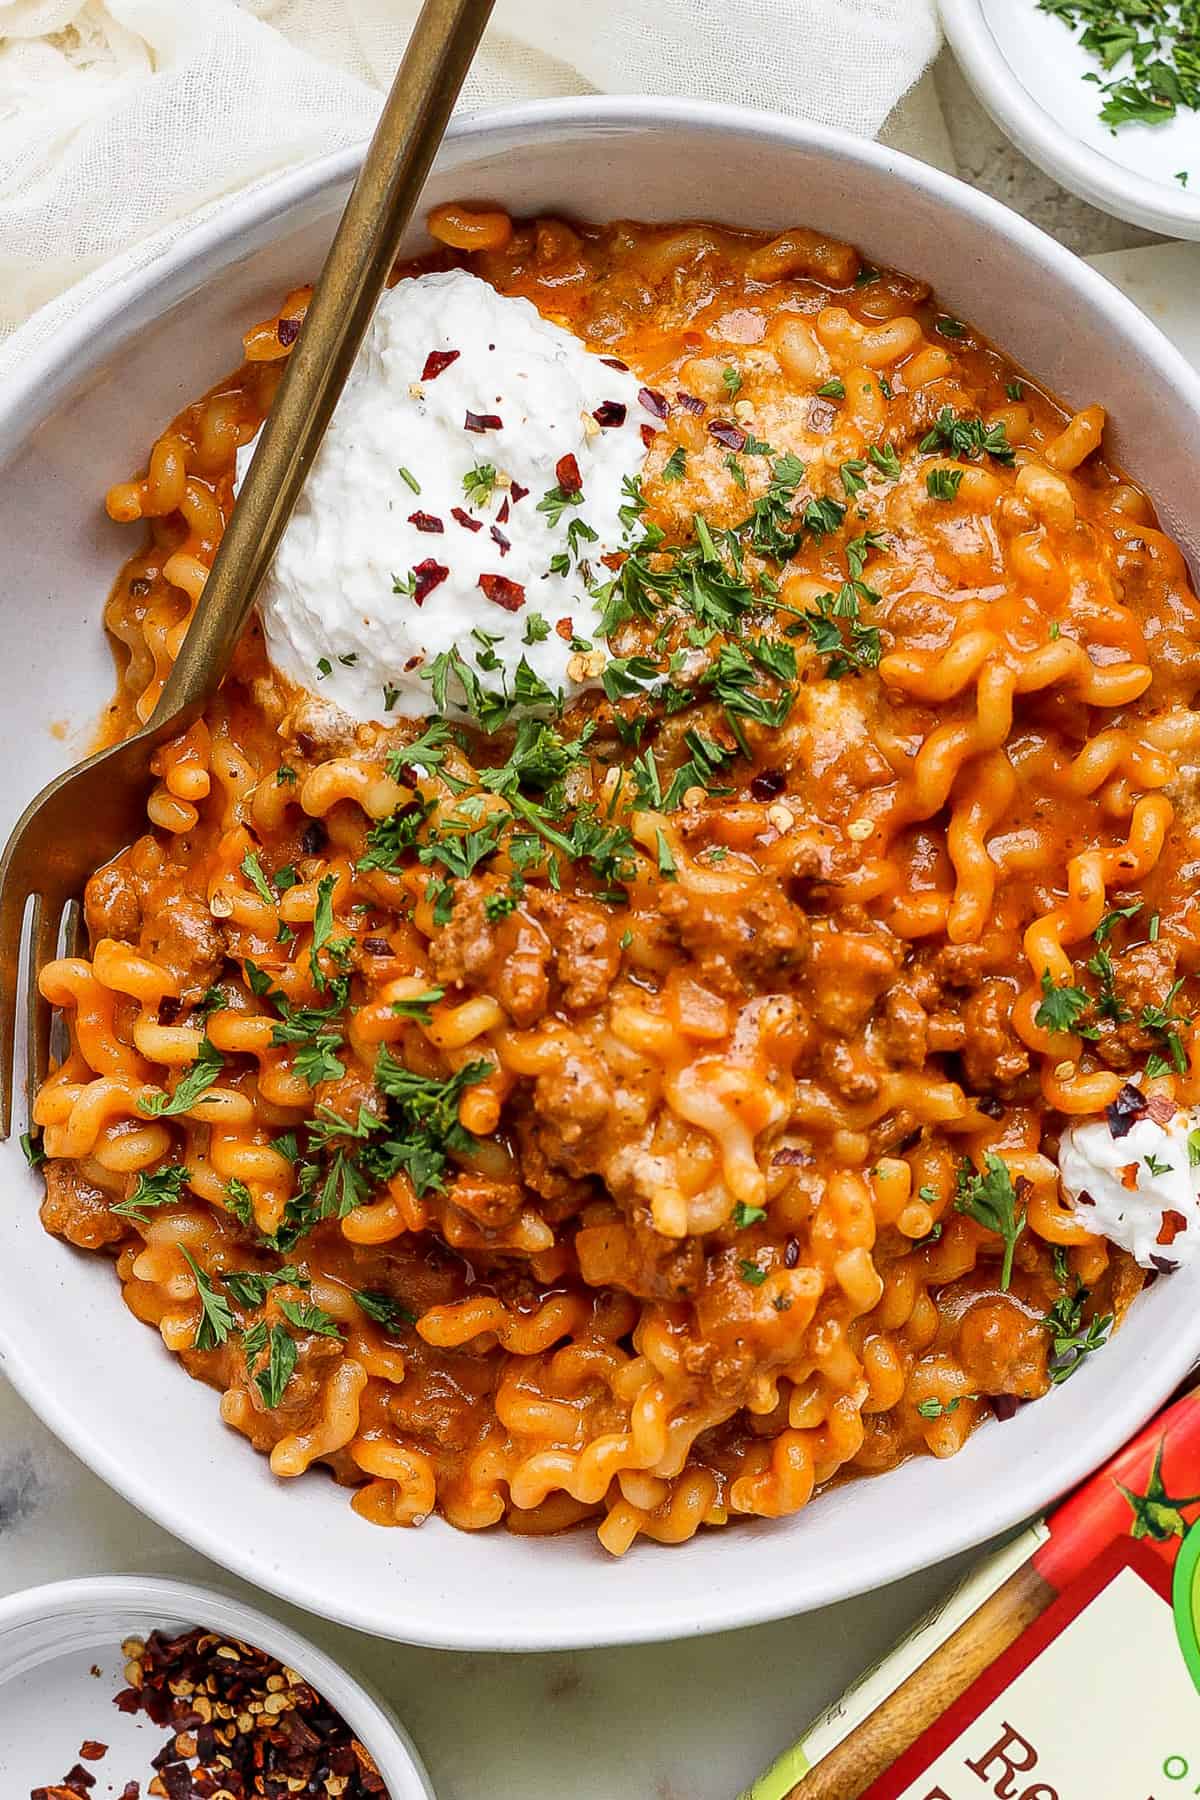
x,y
54,1639
1028,69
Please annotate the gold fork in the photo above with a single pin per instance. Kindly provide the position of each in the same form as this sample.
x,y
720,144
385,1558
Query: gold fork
x,y
82,819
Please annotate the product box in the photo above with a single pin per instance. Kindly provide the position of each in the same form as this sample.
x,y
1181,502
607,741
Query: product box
x,y
1065,1667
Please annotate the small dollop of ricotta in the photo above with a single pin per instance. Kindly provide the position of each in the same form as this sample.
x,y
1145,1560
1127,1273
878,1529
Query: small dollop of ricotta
x,y
419,531
1122,1187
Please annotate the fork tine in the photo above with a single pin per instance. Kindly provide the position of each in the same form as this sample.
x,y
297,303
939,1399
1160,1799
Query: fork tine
x,y
73,933
43,943
12,920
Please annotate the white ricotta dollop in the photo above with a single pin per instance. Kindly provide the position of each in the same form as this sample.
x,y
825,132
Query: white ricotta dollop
x,y
445,359
1131,1182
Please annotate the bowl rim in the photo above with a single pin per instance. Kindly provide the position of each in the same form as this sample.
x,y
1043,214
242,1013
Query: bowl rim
x,y
695,1608
1105,184
365,1711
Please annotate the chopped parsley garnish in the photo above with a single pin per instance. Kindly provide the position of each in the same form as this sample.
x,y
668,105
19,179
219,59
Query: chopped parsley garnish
x,y
834,389
537,629
835,625
1112,919
1166,1024
383,1309
1062,1007
306,1315
990,1198
943,484
240,1201
408,476
479,483
885,459
1156,1165
216,1315
284,774
852,476
163,1187
282,1356
750,1273
666,862
744,1215
731,381
967,438
938,1409
324,666
1015,390
1071,1341
190,1087
417,1006
555,501
250,1287
253,871
1109,1004
1149,47
947,327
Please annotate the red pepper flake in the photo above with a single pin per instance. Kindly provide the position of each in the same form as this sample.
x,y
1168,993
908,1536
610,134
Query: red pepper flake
x,y
91,1750
287,331
648,434
1172,1224
482,421
767,783
131,1791
499,537
426,521
566,473
1124,1112
610,412
1005,1406
517,492
1161,1109
429,575
1129,1176
689,402
502,515
790,1157
1162,1265
791,1253
465,519
377,946
169,1009
565,629
436,361
503,592
727,433
654,402
614,362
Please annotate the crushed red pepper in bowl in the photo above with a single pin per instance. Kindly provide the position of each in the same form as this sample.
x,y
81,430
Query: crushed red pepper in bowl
x,y
243,1726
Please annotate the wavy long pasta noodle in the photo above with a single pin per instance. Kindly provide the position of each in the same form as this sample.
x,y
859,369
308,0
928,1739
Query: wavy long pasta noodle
x,y
649,1114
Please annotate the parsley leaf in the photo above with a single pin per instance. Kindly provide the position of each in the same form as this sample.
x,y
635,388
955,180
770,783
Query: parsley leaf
x,y
216,1316
306,1315
161,1188
990,1198
383,1309
190,1087
272,1381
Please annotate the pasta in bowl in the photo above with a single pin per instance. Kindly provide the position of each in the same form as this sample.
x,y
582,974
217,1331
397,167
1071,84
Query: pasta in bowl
x,y
637,1098
87,412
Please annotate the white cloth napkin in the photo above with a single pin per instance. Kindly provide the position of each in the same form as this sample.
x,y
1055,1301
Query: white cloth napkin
x,y
121,121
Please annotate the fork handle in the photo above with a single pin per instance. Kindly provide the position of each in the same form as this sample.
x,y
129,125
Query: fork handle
x,y
397,163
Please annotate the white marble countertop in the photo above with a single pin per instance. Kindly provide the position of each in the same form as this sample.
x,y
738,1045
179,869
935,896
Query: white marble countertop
x,y
687,1721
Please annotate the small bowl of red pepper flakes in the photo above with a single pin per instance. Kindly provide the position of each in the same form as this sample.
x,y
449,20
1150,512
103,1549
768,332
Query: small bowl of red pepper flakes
x,y
132,1688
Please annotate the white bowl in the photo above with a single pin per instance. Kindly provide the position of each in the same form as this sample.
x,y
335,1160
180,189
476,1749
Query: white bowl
x,y
1028,69
82,416
53,1638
